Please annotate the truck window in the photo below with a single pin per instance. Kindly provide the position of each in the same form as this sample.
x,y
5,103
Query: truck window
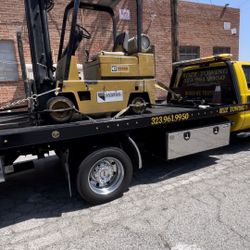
x,y
208,84
246,70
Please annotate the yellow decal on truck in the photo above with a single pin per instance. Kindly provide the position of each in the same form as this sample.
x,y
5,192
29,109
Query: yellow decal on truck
x,y
234,109
159,120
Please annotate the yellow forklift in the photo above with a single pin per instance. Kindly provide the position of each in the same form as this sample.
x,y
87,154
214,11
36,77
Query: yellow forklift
x,y
114,80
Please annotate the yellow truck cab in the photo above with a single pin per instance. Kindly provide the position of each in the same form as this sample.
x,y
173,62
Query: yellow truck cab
x,y
214,81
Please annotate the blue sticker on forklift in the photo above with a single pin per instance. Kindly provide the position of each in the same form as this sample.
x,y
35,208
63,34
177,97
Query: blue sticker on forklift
x,y
110,96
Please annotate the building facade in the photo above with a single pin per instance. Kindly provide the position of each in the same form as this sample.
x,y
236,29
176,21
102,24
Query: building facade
x,y
203,30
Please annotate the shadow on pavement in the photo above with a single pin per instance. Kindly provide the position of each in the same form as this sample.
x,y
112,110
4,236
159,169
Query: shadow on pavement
x,y
43,193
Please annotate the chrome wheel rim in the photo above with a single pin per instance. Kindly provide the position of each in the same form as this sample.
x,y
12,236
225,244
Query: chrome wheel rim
x,y
106,176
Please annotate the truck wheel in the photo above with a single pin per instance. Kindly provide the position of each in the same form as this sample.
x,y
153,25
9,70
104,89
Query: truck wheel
x,y
60,103
104,175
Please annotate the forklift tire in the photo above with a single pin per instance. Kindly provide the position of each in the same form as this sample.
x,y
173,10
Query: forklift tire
x,y
104,175
60,103
138,105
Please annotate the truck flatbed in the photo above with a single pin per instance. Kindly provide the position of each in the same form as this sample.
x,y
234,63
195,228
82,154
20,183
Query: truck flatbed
x,y
162,115
103,152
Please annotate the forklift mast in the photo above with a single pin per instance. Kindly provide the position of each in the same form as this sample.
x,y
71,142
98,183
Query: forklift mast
x,y
39,41
37,23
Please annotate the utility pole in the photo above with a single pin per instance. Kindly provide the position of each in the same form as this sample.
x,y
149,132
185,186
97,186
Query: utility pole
x,y
174,30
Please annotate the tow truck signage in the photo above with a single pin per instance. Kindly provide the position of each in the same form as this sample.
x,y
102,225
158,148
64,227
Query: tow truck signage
x,y
233,109
160,120
166,119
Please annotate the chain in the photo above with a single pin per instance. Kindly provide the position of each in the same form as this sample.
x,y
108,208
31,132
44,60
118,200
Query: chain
x,y
34,98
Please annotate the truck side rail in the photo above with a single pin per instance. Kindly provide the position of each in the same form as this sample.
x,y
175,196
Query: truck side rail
x,y
38,135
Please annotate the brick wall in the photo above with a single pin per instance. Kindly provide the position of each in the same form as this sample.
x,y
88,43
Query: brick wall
x,y
200,25
10,19
203,25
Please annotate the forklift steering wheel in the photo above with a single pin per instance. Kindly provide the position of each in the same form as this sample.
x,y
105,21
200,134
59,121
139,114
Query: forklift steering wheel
x,y
84,33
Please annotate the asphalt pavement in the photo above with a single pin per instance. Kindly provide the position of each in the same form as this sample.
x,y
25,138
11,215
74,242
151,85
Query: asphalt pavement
x,y
194,203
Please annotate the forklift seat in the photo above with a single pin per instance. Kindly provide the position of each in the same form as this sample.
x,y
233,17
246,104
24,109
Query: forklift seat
x,y
106,53
121,43
120,47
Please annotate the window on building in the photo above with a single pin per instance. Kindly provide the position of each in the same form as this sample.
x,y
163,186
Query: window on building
x,y
221,50
246,70
8,63
189,52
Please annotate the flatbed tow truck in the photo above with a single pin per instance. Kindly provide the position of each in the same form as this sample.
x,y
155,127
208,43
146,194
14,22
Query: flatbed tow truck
x,y
208,100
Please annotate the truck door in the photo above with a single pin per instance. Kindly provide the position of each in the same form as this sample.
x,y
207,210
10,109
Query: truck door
x,y
242,71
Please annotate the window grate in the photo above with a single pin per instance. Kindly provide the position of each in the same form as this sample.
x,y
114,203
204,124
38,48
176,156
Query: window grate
x,y
189,52
221,50
8,63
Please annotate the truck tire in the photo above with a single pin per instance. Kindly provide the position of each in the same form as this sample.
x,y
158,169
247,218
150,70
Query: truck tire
x,y
104,175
